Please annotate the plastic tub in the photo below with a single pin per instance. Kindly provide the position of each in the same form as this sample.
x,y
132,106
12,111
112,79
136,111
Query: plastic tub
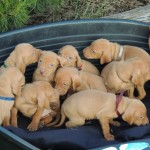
x,y
53,36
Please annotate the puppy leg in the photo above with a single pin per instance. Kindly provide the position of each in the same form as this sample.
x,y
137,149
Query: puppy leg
x,y
33,126
139,83
130,92
14,112
75,122
141,92
6,121
104,121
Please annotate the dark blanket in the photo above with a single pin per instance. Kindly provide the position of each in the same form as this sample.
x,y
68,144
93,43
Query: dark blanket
x,y
84,137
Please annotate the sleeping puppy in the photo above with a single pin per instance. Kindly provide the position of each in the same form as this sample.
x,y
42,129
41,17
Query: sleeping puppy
x,y
108,51
94,104
47,65
70,78
11,81
73,60
126,75
35,102
23,55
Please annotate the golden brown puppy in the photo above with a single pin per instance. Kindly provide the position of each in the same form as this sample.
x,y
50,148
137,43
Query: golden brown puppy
x,y
73,59
70,78
23,55
47,65
108,51
94,104
11,81
126,75
36,97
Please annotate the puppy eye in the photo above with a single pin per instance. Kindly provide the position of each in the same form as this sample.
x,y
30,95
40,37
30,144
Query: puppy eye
x,y
40,61
51,65
64,84
141,117
92,50
69,57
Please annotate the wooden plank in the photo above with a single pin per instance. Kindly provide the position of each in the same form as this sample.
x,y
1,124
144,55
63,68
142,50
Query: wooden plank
x,y
139,14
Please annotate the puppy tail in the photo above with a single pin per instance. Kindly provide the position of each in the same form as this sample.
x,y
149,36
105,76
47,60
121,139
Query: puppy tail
x,y
55,121
63,117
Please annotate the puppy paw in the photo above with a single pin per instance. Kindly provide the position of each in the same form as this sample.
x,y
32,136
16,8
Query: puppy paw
x,y
14,124
109,137
5,122
32,126
43,122
115,123
54,106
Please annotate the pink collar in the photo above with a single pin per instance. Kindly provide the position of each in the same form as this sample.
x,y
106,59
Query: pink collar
x,y
118,100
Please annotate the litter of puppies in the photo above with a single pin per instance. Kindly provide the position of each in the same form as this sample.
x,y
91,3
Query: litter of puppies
x,y
89,92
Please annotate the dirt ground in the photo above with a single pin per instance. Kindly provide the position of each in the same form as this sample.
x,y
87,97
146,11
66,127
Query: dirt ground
x,y
85,9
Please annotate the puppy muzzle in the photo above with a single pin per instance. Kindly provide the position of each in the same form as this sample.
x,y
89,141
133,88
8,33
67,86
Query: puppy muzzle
x,y
61,91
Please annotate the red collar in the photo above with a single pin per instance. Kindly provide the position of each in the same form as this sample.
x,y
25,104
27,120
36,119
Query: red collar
x,y
118,100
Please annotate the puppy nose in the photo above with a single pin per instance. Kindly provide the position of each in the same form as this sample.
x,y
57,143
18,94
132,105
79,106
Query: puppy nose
x,y
84,50
42,71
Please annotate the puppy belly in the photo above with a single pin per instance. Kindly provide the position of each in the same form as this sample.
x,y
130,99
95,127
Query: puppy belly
x,y
29,110
5,107
79,113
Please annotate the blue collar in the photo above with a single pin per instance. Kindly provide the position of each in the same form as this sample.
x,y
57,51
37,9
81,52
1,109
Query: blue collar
x,y
7,98
4,65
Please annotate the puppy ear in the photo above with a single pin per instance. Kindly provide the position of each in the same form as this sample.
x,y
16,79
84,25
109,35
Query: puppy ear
x,y
20,64
79,61
128,116
62,61
75,82
39,51
105,57
16,89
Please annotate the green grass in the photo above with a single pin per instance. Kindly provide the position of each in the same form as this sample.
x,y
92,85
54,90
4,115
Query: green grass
x,y
18,13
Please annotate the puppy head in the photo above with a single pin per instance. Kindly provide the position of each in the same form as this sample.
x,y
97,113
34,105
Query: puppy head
x,y
136,113
63,79
99,49
17,82
71,55
27,53
48,63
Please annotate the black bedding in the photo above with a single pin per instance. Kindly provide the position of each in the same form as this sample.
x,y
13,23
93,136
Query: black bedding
x,y
84,137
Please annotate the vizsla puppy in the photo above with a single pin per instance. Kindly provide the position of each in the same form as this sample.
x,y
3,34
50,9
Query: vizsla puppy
x,y
23,55
47,65
70,78
35,99
126,75
11,81
94,104
73,59
108,51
